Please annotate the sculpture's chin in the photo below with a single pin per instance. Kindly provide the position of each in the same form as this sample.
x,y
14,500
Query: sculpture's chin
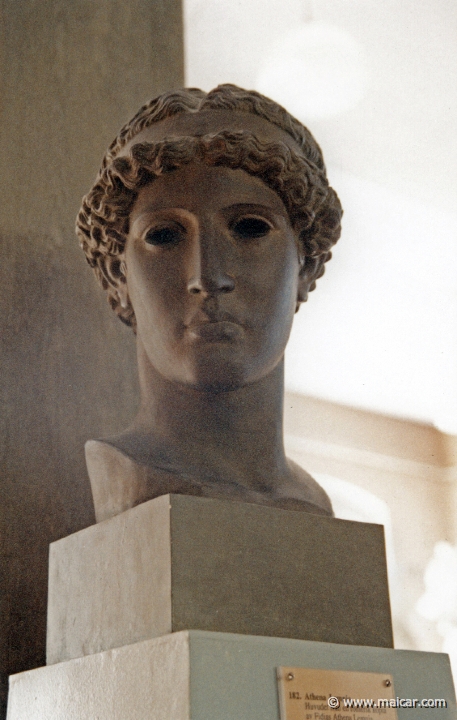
x,y
218,379
218,373
215,366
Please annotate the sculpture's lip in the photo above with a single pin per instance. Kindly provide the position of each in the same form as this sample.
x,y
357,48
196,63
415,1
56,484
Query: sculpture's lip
x,y
211,316
215,330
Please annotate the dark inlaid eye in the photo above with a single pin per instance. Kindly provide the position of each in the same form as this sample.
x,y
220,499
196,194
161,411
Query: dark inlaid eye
x,y
163,236
250,228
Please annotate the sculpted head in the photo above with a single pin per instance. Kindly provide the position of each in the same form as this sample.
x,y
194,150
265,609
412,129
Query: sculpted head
x,y
211,216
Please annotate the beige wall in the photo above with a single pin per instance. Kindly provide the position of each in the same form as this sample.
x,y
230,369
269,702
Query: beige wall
x,y
381,325
410,466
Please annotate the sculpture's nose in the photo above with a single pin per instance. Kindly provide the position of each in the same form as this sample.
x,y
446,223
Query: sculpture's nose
x,y
209,262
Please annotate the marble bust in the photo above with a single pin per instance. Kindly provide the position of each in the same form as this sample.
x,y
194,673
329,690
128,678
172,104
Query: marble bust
x,y
209,222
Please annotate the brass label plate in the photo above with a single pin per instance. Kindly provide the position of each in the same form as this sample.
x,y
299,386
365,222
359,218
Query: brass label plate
x,y
304,694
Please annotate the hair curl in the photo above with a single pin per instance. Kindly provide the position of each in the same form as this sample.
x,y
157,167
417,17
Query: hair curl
x,y
299,179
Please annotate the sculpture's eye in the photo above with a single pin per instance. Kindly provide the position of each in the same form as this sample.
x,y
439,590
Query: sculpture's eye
x,y
250,228
164,236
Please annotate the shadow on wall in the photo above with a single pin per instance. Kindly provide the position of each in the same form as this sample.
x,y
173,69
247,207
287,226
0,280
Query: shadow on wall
x,y
68,373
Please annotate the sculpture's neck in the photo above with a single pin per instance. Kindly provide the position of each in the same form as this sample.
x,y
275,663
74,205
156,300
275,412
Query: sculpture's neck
x,y
235,435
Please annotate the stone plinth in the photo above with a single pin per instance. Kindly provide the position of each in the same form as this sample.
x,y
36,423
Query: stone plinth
x,y
213,676
180,562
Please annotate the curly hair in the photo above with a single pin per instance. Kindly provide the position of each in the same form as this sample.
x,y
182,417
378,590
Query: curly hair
x,y
297,176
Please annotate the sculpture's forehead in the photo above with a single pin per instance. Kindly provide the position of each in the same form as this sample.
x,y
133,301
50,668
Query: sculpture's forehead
x,y
209,122
199,188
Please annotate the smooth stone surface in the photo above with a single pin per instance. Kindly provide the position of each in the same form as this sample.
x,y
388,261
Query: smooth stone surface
x,y
209,676
180,562
148,680
110,585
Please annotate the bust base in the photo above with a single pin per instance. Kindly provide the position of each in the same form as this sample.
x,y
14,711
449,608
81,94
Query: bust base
x,y
181,562
212,676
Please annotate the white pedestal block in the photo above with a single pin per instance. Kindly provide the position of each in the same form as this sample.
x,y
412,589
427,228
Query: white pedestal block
x,y
178,563
195,675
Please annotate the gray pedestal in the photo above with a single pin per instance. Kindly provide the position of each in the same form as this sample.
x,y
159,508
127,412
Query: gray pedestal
x,y
213,676
181,562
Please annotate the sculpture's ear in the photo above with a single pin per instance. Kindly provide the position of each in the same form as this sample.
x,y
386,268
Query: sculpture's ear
x,y
113,270
311,270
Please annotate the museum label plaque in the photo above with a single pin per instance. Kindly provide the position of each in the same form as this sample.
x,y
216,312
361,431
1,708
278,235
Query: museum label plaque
x,y
310,694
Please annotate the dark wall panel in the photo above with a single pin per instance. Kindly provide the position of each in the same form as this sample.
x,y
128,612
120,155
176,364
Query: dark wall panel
x,y
71,74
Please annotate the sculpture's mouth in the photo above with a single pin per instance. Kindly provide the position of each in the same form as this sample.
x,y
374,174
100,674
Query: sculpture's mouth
x,y
215,330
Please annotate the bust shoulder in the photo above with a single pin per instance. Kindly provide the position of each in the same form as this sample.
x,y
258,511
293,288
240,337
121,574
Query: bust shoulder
x,y
119,482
